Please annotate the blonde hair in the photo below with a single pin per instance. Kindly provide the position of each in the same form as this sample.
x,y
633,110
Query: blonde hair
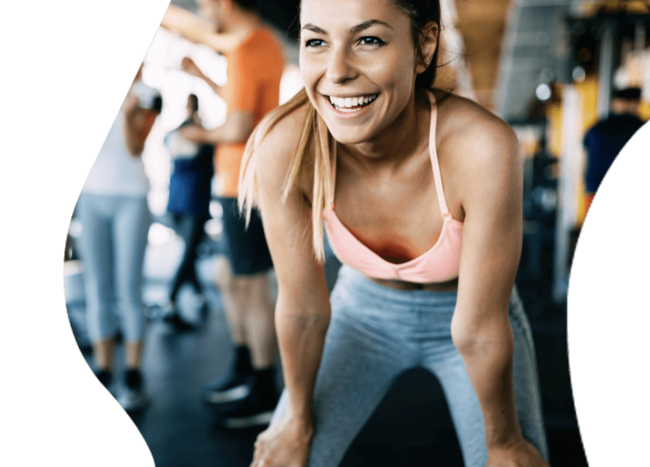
x,y
314,131
313,128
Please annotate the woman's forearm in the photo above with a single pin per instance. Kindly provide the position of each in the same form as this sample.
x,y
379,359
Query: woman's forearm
x,y
301,337
132,134
488,355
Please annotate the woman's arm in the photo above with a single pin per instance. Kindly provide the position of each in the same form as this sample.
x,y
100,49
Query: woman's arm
x,y
137,124
303,307
492,238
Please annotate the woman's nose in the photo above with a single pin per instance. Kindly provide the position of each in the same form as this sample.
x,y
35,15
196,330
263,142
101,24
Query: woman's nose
x,y
339,68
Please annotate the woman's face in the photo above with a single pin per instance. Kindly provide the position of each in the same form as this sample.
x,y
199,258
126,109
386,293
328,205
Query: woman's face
x,y
357,60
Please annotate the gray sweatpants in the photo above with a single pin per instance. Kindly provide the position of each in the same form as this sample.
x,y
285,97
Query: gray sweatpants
x,y
375,334
112,247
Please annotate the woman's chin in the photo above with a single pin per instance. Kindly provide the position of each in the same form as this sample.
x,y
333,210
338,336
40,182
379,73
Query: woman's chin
x,y
348,135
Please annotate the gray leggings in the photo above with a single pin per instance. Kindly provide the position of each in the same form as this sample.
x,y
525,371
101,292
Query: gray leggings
x,y
112,249
375,334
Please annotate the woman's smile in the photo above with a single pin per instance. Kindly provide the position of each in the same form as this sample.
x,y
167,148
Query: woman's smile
x,y
351,105
358,65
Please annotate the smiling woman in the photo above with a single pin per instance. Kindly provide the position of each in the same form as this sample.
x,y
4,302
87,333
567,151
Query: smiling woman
x,y
420,193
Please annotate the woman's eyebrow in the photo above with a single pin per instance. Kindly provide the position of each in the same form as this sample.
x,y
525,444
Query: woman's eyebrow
x,y
366,24
314,28
355,29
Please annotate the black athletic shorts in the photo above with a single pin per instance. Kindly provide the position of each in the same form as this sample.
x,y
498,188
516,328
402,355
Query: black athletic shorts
x,y
246,248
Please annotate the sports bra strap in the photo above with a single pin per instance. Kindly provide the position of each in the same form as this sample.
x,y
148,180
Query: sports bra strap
x,y
434,163
434,159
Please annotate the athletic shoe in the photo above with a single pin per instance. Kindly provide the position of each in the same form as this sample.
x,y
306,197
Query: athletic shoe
x,y
172,316
234,384
178,322
105,378
256,409
132,396
229,388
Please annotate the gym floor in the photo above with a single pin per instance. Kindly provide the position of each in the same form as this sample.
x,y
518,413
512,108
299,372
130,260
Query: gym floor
x,y
411,427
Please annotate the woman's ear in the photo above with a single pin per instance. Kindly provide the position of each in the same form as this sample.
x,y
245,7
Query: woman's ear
x,y
428,45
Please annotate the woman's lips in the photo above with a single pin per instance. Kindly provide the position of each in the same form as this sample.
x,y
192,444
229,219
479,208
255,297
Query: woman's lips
x,y
352,106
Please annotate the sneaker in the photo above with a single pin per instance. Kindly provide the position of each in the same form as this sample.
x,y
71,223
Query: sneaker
x,y
105,377
256,409
252,412
132,396
172,316
233,385
230,387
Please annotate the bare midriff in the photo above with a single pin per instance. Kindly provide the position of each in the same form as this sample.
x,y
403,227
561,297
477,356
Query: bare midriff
x,y
448,286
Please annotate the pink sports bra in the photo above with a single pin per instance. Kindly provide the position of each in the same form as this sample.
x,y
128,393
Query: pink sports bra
x,y
439,264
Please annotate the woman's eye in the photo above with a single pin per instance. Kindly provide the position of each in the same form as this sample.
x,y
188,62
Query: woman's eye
x,y
314,43
370,40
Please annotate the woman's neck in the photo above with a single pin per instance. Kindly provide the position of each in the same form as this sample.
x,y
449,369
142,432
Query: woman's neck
x,y
394,144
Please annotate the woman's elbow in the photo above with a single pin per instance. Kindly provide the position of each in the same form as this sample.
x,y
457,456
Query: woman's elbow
x,y
481,336
315,315
135,149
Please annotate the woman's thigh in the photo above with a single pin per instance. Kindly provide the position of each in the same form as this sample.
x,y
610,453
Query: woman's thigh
x,y
96,248
360,362
463,403
528,397
131,228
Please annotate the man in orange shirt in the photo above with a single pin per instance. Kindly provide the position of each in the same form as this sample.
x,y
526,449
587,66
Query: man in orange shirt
x,y
246,395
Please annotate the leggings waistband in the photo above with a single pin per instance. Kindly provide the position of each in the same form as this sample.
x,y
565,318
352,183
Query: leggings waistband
x,y
352,284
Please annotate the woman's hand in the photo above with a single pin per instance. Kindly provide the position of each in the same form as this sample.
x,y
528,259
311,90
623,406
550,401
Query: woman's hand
x,y
285,444
519,454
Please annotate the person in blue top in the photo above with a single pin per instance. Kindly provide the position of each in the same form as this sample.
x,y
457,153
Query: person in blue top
x,y
189,201
605,140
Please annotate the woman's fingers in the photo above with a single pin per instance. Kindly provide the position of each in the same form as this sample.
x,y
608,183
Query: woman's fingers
x,y
258,456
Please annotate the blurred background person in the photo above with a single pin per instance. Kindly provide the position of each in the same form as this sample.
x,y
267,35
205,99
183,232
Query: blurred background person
x,y
606,138
115,218
246,395
189,206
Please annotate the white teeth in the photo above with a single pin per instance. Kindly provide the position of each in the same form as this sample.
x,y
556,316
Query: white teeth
x,y
347,103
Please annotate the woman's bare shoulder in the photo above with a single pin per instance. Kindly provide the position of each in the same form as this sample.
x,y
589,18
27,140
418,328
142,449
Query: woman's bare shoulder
x,y
475,136
275,149
278,145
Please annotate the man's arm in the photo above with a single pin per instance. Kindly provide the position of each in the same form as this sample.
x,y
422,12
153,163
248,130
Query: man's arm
x,y
195,29
236,129
190,67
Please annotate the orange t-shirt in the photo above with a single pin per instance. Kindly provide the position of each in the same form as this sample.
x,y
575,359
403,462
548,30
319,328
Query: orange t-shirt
x,y
254,71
